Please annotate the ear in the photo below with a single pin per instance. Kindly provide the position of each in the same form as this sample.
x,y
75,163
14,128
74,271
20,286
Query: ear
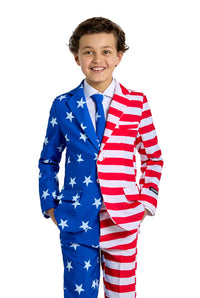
x,y
76,57
119,57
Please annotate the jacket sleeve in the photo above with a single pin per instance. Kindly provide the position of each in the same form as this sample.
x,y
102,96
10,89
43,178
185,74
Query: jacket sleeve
x,y
53,146
151,160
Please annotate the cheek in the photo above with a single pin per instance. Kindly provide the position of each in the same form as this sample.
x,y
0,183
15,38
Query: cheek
x,y
84,64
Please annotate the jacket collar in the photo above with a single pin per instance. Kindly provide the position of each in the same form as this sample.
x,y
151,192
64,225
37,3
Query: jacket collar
x,y
78,106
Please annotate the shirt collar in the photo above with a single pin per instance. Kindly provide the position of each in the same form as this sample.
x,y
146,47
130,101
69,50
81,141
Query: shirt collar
x,y
89,90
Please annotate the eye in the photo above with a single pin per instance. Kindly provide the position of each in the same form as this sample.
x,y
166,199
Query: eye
x,y
106,52
88,53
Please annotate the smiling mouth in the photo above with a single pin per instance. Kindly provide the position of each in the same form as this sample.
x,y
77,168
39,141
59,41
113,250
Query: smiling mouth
x,y
97,69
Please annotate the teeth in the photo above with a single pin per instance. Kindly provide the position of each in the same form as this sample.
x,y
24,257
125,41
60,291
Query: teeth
x,y
97,68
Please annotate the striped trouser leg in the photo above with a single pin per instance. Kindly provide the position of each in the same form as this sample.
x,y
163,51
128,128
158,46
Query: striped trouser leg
x,y
119,250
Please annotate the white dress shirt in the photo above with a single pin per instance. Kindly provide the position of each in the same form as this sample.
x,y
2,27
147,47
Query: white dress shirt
x,y
107,97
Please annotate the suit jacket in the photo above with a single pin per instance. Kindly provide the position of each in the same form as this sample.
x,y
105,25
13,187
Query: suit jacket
x,y
94,171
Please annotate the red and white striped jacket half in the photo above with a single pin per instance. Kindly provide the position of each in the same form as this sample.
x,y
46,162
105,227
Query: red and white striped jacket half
x,y
129,127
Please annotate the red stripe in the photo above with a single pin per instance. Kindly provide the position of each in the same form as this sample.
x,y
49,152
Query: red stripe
x,y
119,161
128,219
119,146
131,118
121,206
120,259
148,199
113,236
146,114
119,273
112,191
116,176
120,288
147,128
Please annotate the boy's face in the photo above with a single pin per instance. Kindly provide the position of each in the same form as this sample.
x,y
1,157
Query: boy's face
x,y
98,56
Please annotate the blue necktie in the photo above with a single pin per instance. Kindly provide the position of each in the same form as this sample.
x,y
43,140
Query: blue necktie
x,y
100,117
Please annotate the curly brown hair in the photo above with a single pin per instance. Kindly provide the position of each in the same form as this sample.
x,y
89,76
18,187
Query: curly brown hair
x,y
97,25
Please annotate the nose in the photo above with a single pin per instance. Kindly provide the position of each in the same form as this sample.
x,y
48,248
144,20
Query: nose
x,y
97,58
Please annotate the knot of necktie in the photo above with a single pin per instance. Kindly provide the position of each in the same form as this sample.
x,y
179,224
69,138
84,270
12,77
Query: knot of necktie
x,y
98,98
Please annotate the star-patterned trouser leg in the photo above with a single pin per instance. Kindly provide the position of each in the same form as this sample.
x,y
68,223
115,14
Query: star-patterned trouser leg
x,y
81,270
119,250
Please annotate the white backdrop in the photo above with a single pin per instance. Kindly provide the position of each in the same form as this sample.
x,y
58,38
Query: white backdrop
x,y
36,66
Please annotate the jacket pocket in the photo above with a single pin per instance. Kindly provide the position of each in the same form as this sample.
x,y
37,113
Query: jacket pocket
x,y
70,195
67,210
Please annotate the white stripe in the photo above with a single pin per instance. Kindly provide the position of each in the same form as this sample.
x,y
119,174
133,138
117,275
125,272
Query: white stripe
x,y
149,136
134,111
146,121
110,230
122,139
127,212
114,199
115,183
115,242
122,266
119,252
117,105
120,281
130,226
119,295
118,154
116,169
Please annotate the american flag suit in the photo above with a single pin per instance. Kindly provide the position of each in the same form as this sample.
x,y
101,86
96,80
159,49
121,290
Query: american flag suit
x,y
100,198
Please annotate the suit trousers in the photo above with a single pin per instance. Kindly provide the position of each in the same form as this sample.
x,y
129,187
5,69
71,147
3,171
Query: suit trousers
x,y
116,254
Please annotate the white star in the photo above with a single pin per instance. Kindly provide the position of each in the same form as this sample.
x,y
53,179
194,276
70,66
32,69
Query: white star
x,y
46,161
96,156
54,195
74,245
68,160
53,122
69,266
76,197
83,137
79,158
60,197
46,141
97,203
72,181
87,265
79,289
75,204
70,116
95,283
87,180
66,138
61,97
60,148
80,103
40,175
85,226
45,194
63,223
97,116
83,127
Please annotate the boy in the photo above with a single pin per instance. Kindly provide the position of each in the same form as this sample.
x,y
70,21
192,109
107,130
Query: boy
x,y
99,210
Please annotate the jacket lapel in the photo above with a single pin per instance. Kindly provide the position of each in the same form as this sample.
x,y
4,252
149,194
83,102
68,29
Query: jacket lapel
x,y
116,110
78,106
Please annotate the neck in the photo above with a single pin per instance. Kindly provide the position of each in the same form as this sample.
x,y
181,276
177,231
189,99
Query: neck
x,y
99,86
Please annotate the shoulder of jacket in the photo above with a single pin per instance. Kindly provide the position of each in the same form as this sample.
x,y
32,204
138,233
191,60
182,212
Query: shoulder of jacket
x,y
129,92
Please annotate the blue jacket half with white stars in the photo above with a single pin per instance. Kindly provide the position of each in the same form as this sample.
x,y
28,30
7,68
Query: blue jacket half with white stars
x,y
77,205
